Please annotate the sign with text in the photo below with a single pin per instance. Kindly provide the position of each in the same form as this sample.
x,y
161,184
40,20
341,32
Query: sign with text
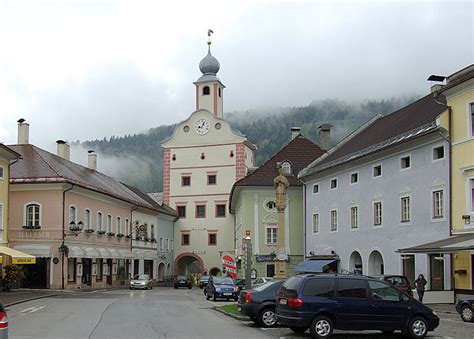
x,y
230,266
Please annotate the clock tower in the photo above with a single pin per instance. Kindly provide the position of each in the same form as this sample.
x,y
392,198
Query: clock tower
x,y
202,160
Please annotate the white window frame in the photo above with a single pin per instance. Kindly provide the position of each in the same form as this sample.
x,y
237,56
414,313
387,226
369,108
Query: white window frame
x,y
407,155
432,152
317,224
273,235
435,217
99,225
2,172
330,184
162,244
25,212
319,188
374,214
470,119
333,221
350,178
127,226
381,171
118,224
1,216
109,223
87,221
403,211
356,219
75,214
286,167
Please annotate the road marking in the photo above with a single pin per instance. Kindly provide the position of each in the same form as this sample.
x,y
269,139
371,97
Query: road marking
x,y
26,310
31,310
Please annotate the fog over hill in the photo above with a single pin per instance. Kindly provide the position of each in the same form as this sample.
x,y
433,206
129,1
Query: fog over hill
x,y
138,159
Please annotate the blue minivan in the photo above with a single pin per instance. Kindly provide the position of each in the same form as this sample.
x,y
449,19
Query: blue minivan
x,y
324,302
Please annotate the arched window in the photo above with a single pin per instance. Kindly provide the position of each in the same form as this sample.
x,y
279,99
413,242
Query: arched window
x,y
33,215
72,214
286,167
220,92
109,223
87,219
206,90
99,221
119,225
128,230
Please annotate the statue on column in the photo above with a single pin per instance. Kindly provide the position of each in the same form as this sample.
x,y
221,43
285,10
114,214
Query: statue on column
x,y
281,185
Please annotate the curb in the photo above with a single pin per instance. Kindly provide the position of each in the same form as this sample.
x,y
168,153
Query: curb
x,y
30,299
241,318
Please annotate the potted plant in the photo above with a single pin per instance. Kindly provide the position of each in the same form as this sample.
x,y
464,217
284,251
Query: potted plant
x,y
31,227
100,232
120,235
64,250
12,274
110,234
89,230
128,236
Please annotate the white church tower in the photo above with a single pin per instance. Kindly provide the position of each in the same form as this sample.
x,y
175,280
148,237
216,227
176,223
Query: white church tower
x,y
202,160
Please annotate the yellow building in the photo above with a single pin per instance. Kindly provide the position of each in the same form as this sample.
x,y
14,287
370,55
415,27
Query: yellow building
x,y
458,91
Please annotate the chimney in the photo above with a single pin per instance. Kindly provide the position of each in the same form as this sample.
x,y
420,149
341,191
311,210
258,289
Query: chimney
x,y
92,160
325,136
63,149
295,131
23,132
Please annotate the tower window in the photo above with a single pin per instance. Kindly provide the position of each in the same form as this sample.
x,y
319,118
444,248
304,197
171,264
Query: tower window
x,y
219,92
206,90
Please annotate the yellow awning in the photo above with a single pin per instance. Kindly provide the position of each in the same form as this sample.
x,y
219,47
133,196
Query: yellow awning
x,y
17,256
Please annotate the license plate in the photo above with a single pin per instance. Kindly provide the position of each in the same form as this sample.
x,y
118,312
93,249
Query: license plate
x,y
181,281
283,301
227,293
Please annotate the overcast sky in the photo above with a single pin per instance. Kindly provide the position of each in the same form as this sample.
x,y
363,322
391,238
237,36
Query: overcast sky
x,y
94,68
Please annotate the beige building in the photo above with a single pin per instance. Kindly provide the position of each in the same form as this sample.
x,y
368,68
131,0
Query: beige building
x,y
202,160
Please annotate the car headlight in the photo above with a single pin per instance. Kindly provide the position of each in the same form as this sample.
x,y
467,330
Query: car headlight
x,y
218,289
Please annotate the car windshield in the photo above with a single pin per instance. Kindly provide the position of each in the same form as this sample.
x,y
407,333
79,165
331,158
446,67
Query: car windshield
x,y
141,277
223,280
181,277
397,280
264,286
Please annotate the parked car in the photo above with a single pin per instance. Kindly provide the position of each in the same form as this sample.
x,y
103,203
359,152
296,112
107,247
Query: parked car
x,y
141,281
259,303
399,281
261,280
3,323
222,288
203,281
465,308
325,302
182,281
240,283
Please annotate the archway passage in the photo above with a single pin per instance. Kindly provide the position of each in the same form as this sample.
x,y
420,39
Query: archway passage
x,y
188,264
355,263
376,263
215,271
161,272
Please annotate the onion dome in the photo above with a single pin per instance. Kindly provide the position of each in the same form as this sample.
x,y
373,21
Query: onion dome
x,y
209,65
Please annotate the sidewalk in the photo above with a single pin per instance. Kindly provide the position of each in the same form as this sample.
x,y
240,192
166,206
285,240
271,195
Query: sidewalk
x,y
443,308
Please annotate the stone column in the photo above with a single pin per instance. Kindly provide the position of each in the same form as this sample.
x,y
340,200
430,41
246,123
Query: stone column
x,y
281,185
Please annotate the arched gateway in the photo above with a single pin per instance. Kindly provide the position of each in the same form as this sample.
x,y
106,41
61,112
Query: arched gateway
x,y
188,263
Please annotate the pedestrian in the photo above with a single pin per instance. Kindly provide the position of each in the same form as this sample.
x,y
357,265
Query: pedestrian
x,y
420,284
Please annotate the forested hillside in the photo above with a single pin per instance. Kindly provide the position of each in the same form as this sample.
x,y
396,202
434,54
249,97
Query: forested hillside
x,y
137,159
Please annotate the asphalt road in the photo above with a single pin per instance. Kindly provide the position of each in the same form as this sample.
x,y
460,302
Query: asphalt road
x,y
159,313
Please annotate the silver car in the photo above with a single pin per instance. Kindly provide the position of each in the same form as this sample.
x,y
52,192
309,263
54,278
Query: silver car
x,y
141,281
3,323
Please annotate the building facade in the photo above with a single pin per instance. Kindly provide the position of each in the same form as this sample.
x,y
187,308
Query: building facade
x,y
202,160
253,204
384,188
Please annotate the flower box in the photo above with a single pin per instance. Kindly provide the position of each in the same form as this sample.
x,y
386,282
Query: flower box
x,y
100,232
31,227
120,235
110,234
128,236
89,230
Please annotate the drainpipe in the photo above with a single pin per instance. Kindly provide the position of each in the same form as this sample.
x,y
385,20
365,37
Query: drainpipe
x,y
64,234
131,236
304,221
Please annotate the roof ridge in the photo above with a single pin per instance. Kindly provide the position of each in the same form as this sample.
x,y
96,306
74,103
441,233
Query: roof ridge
x,y
44,160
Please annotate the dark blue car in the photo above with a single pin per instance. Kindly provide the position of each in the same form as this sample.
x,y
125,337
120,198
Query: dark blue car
x,y
465,308
325,302
221,288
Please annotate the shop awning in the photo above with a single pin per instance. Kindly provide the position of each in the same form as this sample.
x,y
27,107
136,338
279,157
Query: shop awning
x,y
17,256
76,252
41,251
313,266
455,243
92,253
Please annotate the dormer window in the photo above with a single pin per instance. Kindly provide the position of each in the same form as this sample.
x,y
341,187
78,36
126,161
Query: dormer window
x,y
286,168
206,90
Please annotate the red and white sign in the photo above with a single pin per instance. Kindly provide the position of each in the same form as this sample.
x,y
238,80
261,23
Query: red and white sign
x,y
230,266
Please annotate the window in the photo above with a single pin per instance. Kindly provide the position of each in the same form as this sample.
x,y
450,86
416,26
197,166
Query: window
x,y
1,216
182,211
211,179
33,215
377,171
351,288
100,269
286,168
128,230
382,291
212,241
315,188
71,269
354,217
354,178
1,173
220,94
333,184
315,222
162,244
220,210
270,205
152,231
109,223
438,204
87,219
471,106
186,181
167,244
377,213
271,234
99,221
72,214
171,244
438,153
436,272
405,209
200,211
472,195
185,239
119,226
319,287
206,90
333,220
405,162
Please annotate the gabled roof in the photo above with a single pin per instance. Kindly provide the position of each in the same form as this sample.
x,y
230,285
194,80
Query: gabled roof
x,y
299,152
163,208
407,123
40,166
7,150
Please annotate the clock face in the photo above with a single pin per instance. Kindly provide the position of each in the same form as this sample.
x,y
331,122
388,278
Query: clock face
x,y
201,126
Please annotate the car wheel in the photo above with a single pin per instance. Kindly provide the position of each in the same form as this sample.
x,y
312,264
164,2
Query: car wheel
x,y
321,327
298,330
267,317
467,314
214,296
190,286
418,327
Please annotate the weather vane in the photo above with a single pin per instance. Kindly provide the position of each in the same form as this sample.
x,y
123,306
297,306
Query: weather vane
x,y
209,32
